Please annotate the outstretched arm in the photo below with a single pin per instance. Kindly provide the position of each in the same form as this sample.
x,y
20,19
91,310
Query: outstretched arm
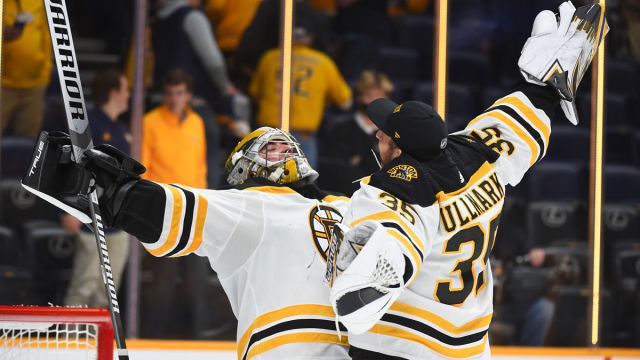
x,y
553,62
518,127
169,220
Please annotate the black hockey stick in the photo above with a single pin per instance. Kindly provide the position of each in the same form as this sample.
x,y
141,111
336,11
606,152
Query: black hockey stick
x,y
80,133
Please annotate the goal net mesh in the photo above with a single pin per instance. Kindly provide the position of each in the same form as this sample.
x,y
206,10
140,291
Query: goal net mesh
x,y
28,335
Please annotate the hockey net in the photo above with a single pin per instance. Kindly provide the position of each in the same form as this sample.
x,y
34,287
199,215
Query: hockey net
x,y
30,332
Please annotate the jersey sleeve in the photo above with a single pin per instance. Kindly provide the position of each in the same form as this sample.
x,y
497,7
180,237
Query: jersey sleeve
x,y
175,220
399,202
517,126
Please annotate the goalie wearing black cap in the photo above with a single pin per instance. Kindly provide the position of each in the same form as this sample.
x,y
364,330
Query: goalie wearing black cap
x,y
414,126
412,278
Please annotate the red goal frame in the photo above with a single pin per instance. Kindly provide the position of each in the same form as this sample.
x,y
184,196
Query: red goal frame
x,y
41,314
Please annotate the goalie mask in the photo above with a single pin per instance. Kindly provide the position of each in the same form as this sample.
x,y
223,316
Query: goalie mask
x,y
271,154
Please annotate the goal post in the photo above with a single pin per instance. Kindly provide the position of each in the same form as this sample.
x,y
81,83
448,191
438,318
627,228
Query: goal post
x,y
28,332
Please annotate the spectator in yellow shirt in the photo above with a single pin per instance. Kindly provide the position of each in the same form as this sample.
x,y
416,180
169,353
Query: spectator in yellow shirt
x,y
26,66
173,137
316,80
174,152
230,18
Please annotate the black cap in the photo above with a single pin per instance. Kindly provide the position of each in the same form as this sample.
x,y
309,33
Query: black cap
x,y
414,126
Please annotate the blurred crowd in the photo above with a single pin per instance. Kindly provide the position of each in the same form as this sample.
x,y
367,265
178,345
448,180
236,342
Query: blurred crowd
x,y
213,72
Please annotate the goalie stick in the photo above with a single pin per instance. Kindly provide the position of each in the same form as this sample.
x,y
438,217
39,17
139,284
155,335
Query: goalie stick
x,y
80,133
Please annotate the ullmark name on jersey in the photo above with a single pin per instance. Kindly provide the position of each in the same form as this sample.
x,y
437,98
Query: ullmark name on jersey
x,y
476,201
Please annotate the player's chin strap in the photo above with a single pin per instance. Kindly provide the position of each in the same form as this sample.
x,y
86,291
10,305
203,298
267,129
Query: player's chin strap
x,y
372,278
375,157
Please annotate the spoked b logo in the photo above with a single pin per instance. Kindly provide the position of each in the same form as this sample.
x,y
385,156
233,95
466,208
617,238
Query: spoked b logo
x,y
322,218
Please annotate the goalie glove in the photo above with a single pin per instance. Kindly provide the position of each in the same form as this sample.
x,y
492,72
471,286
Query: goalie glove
x,y
559,52
55,177
372,282
345,245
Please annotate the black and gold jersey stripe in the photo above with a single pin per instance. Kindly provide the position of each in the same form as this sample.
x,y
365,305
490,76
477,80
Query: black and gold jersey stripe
x,y
409,241
528,113
400,332
516,128
398,228
433,332
183,233
531,131
410,323
187,221
292,331
440,322
304,323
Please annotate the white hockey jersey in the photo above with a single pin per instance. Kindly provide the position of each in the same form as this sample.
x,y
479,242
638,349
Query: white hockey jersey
x,y
268,245
444,214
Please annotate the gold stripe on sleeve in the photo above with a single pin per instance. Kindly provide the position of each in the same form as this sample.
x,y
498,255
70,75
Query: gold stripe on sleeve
x,y
332,198
392,215
529,115
272,189
523,135
176,220
414,254
197,235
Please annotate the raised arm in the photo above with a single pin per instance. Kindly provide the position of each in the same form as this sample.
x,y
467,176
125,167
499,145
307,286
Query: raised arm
x,y
553,62
518,127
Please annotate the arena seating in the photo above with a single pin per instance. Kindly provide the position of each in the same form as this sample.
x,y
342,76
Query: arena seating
x,y
568,144
16,155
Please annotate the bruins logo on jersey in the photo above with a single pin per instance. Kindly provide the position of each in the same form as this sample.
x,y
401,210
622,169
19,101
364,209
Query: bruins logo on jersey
x,y
322,218
404,172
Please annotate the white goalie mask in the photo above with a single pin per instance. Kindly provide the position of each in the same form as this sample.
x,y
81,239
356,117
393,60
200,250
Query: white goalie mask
x,y
271,154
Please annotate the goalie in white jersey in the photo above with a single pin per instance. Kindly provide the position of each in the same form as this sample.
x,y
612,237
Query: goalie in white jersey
x,y
415,279
266,236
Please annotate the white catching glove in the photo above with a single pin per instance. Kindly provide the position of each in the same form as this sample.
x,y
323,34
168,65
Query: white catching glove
x,y
371,282
558,53
345,245
354,240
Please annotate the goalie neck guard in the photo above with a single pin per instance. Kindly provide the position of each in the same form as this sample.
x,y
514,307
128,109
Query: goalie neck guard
x,y
271,154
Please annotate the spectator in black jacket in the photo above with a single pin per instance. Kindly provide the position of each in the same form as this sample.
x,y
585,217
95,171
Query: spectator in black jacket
x,y
353,140
182,38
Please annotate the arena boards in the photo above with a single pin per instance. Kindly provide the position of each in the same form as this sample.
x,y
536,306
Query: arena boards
x,y
222,350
